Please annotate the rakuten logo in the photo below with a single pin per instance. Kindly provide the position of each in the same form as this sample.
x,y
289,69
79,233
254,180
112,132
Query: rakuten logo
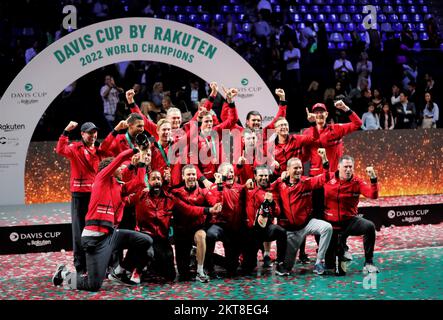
x,y
7,127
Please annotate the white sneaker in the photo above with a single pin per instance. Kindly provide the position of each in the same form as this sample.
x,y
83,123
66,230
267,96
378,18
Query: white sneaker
x,y
135,277
370,268
347,256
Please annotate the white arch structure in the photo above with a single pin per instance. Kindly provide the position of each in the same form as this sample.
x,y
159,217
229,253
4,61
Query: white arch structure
x,y
101,44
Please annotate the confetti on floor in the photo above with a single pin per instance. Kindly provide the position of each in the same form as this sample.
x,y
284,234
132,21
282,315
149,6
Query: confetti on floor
x,y
409,258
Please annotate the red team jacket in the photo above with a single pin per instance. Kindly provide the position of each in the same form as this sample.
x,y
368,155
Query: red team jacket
x,y
154,214
330,139
106,206
292,148
296,200
206,145
342,196
190,221
84,161
232,199
254,199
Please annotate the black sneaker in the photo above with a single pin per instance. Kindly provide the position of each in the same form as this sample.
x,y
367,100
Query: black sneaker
x,y
280,270
303,259
267,262
121,278
57,278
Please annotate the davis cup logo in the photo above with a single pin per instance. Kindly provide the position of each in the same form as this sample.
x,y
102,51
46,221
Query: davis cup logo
x,y
391,214
14,236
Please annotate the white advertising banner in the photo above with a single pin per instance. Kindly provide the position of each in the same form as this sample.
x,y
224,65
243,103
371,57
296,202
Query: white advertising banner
x,y
104,43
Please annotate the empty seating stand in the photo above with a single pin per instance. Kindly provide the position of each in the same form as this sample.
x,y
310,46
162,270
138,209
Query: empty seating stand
x,y
341,17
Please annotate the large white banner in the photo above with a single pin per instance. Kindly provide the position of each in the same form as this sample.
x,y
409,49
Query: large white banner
x,y
101,44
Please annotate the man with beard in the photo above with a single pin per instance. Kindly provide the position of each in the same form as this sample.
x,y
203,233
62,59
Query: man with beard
x,y
84,157
262,206
127,140
190,228
154,210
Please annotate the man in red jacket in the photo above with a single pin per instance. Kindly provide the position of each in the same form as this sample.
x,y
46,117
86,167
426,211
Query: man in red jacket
x,y
225,226
209,142
154,209
189,227
84,157
296,194
262,206
127,140
331,138
99,238
165,156
341,200
289,146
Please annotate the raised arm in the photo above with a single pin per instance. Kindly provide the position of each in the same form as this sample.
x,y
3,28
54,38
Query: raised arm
x,y
62,147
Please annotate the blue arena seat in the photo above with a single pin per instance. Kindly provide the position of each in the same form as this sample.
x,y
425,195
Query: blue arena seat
x,y
400,9
350,26
165,9
190,9
302,9
357,18
353,9
296,17
200,26
193,18
421,27
309,17
331,45
219,17
320,17
342,46
345,18
336,37
417,18
328,27
205,18
332,17
388,9
381,18
404,18
247,27
182,18
339,9
226,9
386,27
327,9
347,37
397,27
338,27
423,36
392,18
277,8
239,9
315,9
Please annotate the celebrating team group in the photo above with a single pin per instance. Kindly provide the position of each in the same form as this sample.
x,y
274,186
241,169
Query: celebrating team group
x,y
153,199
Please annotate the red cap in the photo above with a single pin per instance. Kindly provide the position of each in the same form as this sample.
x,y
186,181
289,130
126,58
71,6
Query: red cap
x,y
319,106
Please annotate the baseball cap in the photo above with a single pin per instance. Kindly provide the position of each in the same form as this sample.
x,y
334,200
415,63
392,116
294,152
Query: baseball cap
x,y
319,106
88,126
